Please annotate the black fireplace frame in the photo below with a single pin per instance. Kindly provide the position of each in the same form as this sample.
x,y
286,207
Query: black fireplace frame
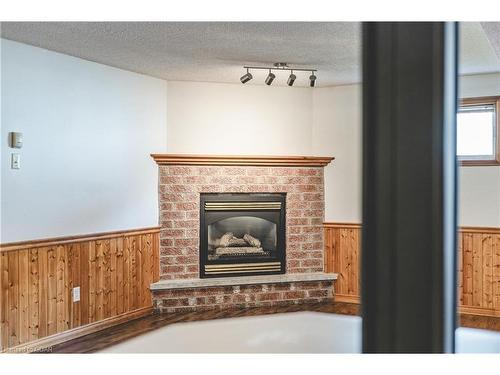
x,y
244,197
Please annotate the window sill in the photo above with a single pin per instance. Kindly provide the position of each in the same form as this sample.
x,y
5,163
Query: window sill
x,y
479,163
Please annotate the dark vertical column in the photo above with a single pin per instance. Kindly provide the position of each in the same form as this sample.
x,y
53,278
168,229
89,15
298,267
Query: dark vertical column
x,y
409,199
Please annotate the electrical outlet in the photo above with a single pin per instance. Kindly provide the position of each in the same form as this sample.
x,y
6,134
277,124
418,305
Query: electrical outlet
x,y
15,161
76,294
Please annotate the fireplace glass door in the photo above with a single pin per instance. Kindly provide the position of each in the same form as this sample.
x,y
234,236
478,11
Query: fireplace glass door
x,y
242,234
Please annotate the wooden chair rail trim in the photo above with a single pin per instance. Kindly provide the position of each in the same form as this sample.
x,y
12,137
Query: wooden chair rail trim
x,y
246,160
492,230
24,245
341,225
467,229
58,338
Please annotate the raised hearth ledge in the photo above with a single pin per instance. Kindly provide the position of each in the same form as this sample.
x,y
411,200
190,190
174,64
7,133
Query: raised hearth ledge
x,y
245,160
242,280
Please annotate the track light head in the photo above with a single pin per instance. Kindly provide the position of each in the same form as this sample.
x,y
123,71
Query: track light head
x,y
291,79
312,79
270,78
247,77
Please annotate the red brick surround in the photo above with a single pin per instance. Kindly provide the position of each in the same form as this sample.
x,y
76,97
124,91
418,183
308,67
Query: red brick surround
x,y
179,197
243,296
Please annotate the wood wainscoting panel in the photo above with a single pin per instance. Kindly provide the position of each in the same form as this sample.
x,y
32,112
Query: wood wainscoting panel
x,y
478,263
480,259
113,270
342,256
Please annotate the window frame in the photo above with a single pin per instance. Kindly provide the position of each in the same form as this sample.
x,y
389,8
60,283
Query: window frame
x,y
486,100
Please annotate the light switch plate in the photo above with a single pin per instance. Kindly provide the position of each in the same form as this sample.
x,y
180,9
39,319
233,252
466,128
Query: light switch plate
x,y
76,294
15,161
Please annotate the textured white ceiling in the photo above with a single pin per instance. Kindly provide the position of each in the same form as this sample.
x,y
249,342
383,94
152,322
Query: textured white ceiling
x,y
492,30
476,52
216,51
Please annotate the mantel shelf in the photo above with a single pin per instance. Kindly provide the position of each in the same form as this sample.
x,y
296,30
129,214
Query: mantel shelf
x,y
245,160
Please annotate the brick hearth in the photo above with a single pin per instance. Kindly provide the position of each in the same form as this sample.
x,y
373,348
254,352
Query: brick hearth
x,y
225,297
179,198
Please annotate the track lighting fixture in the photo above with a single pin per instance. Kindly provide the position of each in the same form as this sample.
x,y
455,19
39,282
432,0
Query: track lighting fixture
x,y
247,77
312,79
270,78
279,66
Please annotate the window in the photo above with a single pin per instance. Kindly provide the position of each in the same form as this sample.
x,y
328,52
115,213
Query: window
x,y
478,131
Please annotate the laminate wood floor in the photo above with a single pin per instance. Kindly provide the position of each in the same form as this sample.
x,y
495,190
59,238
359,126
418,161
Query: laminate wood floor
x,y
111,336
119,333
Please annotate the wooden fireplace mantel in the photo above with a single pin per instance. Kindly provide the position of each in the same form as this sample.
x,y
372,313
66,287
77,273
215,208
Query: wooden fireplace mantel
x,y
246,160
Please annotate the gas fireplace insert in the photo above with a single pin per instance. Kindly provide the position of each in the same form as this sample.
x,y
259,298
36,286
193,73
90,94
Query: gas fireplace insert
x,y
242,234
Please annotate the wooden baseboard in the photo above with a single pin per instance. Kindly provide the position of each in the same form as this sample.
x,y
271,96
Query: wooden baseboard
x,y
470,310
346,298
44,344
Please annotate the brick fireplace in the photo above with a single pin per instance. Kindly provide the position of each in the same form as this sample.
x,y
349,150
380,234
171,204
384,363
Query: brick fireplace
x,y
184,179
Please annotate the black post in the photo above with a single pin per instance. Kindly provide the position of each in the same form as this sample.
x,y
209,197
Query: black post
x,y
409,187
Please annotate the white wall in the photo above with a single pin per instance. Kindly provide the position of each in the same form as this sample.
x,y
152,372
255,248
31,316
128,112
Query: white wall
x,y
479,187
219,118
337,131
88,132
479,196
479,85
